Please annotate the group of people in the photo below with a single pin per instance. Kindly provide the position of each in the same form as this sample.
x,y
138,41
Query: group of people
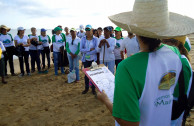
x,y
88,45
146,83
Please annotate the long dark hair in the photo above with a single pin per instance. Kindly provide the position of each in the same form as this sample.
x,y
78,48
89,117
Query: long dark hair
x,y
152,43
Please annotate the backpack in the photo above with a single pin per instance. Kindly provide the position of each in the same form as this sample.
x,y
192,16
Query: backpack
x,y
180,105
190,102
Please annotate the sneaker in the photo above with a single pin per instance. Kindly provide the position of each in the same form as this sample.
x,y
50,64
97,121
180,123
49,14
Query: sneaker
x,y
13,74
39,72
94,92
28,74
4,82
32,71
85,91
21,75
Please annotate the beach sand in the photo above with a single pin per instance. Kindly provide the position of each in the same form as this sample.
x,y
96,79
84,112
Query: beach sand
x,y
48,100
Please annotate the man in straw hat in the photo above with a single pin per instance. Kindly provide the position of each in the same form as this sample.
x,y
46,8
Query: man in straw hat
x,y
145,82
8,42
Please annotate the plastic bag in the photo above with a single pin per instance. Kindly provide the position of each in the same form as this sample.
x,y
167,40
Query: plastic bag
x,y
71,76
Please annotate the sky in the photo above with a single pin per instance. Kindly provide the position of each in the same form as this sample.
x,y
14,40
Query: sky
x,y
71,13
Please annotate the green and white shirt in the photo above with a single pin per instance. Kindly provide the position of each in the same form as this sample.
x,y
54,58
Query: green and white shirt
x,y
58,41
73,46
187,44
144,86
32,47
117,50
7,40
45,40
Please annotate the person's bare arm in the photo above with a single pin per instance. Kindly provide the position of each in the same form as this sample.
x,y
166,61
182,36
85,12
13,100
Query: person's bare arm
x,y
122,55
104,99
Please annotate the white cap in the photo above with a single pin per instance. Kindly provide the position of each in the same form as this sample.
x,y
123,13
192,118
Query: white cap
x,y
20,28
81,27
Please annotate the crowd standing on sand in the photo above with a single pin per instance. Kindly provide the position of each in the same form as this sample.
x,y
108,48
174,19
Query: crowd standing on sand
x,y
143,81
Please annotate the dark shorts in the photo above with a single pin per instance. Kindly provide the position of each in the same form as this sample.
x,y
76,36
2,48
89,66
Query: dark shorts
x,y
2,67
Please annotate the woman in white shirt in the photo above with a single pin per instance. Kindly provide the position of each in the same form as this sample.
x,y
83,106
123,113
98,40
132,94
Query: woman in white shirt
x,y
119,56
23,42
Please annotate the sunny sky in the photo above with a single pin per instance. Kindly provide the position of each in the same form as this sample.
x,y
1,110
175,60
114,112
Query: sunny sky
x,y
50,13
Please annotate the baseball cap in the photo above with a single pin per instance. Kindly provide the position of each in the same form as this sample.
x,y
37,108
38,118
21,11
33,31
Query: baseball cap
x,y
109,28
43,30
118,29
88,27
72,29
20,29
57,29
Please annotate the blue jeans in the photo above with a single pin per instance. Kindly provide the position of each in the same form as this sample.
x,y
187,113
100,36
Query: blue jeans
x,y
110,65
74,65
117,62
57,56
22,59
88,64
35,58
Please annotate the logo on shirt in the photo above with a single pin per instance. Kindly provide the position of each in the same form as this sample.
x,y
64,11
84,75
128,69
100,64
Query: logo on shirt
x,y
44,41
60,41
167,80
7,41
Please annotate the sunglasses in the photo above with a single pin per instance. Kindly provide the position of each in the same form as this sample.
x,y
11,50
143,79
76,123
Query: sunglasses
x,y
87,29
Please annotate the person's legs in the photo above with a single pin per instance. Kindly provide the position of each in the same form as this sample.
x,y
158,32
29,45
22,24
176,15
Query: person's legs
x,y
62,68
86,64
76,67
2,70
26,59
48,59
37,59
111,66
55,55
70,63
43,59
10,58
21,64
5,62
32,55
117,62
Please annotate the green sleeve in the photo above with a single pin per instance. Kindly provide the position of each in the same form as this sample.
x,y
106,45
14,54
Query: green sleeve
x,y
187,76
126,101
186,45
11,37
39,38
53,39
67,48
49,38
64,37
78,49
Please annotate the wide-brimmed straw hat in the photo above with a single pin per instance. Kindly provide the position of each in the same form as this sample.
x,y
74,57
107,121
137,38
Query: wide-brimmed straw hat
x,y
5,27
151,18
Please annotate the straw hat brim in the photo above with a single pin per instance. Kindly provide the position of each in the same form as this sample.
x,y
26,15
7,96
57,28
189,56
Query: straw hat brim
x,y
179,25
8,29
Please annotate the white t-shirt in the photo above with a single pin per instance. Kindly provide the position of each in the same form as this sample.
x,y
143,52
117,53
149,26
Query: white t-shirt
x,y
131,45
2,48
68,36
109,53
73,48
58,43
80,35
32,47
117,50
45,40
7,40
101,37
23,40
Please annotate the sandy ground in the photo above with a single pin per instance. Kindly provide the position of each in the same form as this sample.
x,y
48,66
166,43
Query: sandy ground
x,y
48,100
